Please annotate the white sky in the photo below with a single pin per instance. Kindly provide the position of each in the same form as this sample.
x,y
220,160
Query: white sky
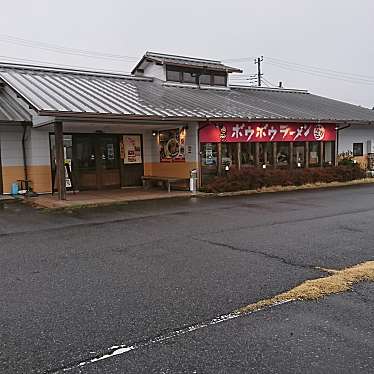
x,y
328,34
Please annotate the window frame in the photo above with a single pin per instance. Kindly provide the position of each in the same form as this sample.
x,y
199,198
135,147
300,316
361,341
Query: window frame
x,y
361,153
212,74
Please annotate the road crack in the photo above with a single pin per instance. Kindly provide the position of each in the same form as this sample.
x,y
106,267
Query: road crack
x,y
265,254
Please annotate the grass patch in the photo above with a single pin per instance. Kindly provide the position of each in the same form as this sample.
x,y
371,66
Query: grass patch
x,y
339,281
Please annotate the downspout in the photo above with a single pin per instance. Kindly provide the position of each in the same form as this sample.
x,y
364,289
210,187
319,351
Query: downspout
x,y
24,155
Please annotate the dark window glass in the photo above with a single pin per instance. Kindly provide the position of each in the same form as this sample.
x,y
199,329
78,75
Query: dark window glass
x,y
173,75
209,165
189,77
358,149
109,152
328,153
247,154
314,154
298,154
229,155
219,80
283,152
266,153
206,79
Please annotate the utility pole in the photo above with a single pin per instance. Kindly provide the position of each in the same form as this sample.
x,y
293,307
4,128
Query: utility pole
x,y
258,61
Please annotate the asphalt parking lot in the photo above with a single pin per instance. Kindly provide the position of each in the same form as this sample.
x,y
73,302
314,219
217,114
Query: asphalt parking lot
x,y
75,284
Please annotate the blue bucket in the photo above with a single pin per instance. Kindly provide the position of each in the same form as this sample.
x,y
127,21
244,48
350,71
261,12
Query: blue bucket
x,y
14,189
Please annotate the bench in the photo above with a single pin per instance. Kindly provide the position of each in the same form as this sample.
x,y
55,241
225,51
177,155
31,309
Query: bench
x,y
166,181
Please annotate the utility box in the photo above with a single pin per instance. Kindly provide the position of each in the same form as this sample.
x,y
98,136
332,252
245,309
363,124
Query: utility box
x,y
193,181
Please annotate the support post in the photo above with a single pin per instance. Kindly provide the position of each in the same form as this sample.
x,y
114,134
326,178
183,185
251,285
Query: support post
x,y
290,156
265,148
60,168
274,155
257,154
321,154
219,158
239,155
306,154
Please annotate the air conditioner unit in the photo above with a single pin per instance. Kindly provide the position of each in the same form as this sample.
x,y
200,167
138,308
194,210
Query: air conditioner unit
x,y
370,146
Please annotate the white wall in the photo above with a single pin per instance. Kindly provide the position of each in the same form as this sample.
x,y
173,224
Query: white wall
x,y
11,145
38,151
355,134
155,71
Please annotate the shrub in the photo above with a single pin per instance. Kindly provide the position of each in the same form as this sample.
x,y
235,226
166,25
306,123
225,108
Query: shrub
x,y
253,178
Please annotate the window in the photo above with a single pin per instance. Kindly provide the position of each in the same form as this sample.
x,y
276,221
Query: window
x,y
209,158
219,80
328,153
189,77
206,79
193,75
247,154
173,75
283,151
314,153
266,153
299,154
229,155
358,149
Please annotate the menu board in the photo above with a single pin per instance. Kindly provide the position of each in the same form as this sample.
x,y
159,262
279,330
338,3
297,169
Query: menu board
x,y
131,150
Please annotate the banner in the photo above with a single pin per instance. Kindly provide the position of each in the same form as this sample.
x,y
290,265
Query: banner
x,y
132,149
266,132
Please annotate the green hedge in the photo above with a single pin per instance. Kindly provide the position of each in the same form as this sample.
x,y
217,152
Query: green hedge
x,y
254,178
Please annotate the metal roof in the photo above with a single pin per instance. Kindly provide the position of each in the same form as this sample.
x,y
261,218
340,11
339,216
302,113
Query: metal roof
x,y
166,59
10,109
64,93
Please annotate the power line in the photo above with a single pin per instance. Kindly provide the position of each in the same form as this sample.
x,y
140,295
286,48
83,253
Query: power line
x,y
56,65
269,84
324,75
313,70
285,62
62,49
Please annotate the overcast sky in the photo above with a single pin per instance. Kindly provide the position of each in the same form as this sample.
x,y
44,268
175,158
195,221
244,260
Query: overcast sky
x,y
304,42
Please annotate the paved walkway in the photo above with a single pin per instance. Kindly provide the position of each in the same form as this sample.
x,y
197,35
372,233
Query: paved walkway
x,y
6,198
107,197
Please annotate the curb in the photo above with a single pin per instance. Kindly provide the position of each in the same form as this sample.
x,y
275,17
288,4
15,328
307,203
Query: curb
x,y
274,189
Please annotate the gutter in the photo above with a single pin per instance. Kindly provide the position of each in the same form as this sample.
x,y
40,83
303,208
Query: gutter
x,y
107,117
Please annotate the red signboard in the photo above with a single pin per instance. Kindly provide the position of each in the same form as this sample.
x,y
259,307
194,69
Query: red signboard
x,y
266,132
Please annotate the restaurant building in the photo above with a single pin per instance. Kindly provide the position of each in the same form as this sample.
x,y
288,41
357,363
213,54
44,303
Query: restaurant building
x,y
172,115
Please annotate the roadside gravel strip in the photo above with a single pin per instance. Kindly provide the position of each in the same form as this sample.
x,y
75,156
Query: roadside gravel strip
x,y
339,281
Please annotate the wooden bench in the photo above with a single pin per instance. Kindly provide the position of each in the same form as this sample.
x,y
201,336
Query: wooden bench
x,y
166,181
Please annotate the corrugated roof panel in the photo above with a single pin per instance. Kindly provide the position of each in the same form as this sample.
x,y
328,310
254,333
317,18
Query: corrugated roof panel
x,y
11,110
83,93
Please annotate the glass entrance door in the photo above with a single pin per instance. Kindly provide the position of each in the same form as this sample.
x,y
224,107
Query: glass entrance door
x,y
108,165
96,161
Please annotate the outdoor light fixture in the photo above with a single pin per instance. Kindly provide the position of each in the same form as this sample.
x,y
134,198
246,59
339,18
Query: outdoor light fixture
x,y
154,132
264,166
227,167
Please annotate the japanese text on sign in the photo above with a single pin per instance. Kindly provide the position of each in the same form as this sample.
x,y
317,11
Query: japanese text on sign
x,y
264,132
